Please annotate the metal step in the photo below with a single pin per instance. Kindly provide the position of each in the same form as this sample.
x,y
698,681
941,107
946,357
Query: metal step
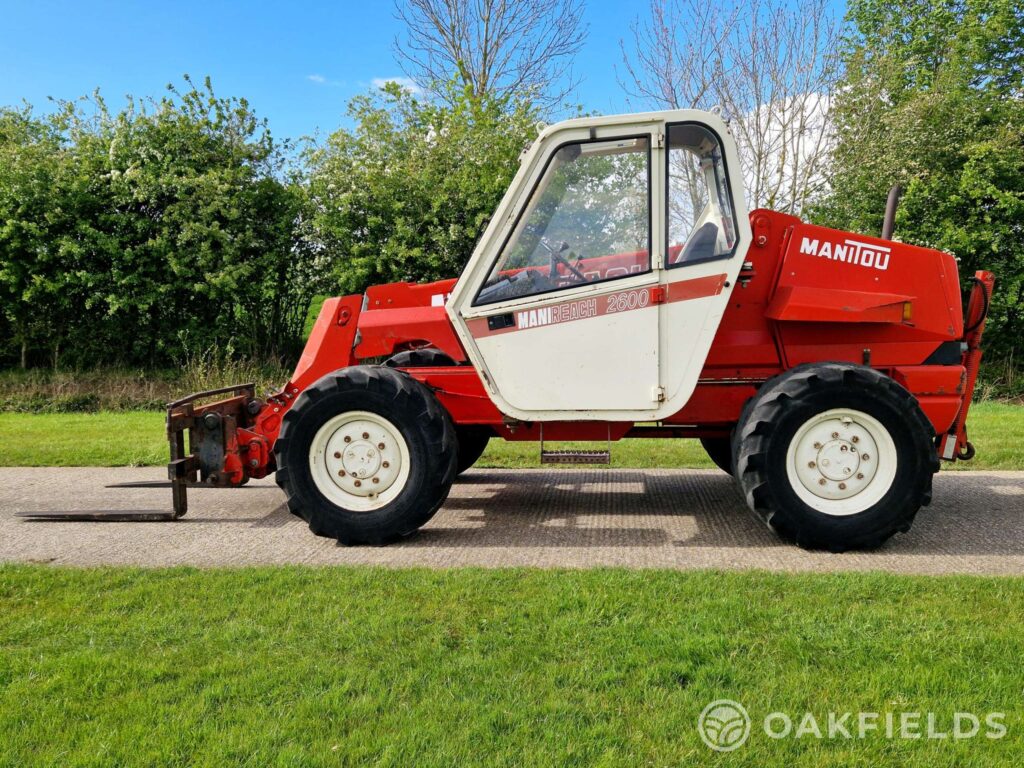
x,y
575,457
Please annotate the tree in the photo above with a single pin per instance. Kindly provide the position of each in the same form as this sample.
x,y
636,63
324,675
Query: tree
x,y
48,205
770,65
932,99
497,48
30,158
208,222
407,192
168,228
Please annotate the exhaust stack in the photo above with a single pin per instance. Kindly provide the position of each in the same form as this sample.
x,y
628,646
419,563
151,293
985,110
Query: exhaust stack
x,y
890,211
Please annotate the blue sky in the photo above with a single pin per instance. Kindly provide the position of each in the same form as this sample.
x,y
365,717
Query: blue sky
x,y
298,63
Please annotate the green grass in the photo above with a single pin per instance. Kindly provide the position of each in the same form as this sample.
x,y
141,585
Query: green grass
x,y
137,438
106,439
306,667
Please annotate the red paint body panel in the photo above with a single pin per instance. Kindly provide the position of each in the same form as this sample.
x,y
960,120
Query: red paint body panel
x,y
836,305
386,331
460,391
807,294
397,295
330,343
929,277
714,404
565,430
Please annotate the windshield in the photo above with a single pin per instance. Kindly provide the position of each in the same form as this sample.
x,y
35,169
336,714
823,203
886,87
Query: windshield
x,y
587,220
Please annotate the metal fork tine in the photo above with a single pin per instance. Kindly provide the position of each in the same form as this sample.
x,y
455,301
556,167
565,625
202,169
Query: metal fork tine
x,y
165,484
100,515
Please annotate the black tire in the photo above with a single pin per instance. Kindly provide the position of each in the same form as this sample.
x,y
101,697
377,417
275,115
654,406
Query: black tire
x,y
472,438
412,409
719,450
774,418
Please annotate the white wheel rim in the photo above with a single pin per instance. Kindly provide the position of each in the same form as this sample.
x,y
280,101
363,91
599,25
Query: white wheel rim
x,y
359,461
841,462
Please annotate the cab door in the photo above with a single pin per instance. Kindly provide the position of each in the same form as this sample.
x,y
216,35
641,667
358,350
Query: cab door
x,y
706,232
561,308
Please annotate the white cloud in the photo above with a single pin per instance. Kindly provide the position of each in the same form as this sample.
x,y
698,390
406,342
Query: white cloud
x,y
404,82
321,80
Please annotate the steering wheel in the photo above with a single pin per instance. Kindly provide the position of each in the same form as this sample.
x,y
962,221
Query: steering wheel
x,y
524,283
557,258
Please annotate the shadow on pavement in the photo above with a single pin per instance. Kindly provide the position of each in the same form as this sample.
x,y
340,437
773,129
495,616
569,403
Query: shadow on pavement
x,y
970,515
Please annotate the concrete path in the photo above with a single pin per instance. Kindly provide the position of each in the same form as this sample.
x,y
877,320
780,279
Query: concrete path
x,y
573,518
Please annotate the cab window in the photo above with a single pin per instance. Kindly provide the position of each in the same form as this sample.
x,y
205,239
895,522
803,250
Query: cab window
x,y
587,220
700,221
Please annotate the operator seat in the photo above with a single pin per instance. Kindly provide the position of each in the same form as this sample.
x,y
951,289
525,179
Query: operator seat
x,y
701,246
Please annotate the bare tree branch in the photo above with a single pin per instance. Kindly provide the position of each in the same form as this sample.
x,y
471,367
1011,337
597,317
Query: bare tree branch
x,y
496,47
772,65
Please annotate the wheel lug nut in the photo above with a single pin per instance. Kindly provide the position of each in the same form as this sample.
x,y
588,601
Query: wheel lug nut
x,y
376,479
811,464
358,483
822,481
860,475
366,435
380,446
817,446
865,456
337,454
855,439
348,439
842,486
386,465
835,435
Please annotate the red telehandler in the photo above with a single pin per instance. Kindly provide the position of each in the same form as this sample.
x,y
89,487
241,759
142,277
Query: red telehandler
x,y
621,289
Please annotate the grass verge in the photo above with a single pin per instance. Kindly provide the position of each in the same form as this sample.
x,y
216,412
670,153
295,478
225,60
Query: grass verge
x,y
123,389
509,667
137,438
